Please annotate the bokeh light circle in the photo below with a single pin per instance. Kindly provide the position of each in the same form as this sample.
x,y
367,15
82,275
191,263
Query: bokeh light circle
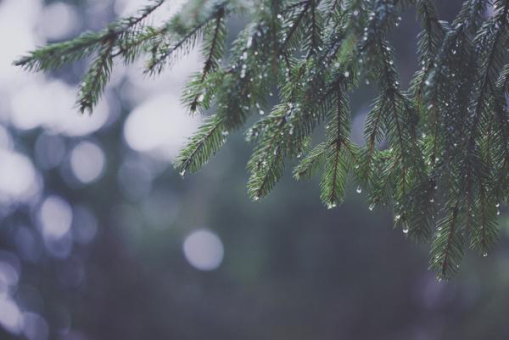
x,y
203,249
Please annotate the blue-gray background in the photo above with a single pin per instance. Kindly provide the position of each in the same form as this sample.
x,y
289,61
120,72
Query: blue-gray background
x,y
100,239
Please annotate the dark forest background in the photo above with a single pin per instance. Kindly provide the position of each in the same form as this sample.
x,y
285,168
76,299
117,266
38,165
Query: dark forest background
x,y
102,240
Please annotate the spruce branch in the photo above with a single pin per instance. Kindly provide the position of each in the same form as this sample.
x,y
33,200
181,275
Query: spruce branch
x,y
213,51
184,38
96,78
209,138
437,153
58,54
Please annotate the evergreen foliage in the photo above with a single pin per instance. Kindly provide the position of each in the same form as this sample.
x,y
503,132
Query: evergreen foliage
x,y
437,153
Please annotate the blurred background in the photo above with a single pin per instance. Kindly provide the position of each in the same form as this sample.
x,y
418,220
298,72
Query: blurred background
x,y
100,239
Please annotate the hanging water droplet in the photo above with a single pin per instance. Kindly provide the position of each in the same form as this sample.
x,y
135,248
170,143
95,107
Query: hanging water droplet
x,y
347,74
485,254
397,217
359,189
262,112
405,229
183,173
497,205
371,207
331,205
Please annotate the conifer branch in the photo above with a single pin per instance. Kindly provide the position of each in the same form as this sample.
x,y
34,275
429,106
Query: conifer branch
x,y
56,55
437,153
213,51
202,146
96,78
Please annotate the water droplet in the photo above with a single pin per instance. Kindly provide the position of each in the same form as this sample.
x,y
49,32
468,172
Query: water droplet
x,y
485,254
359,189
405,229
331,205
183,173
371,207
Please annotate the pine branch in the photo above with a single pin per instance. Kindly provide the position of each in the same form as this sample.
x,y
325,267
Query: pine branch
x,y
96,78
447,248
338,160
56,55
165,52
437,154
313,161
213,50
207,141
